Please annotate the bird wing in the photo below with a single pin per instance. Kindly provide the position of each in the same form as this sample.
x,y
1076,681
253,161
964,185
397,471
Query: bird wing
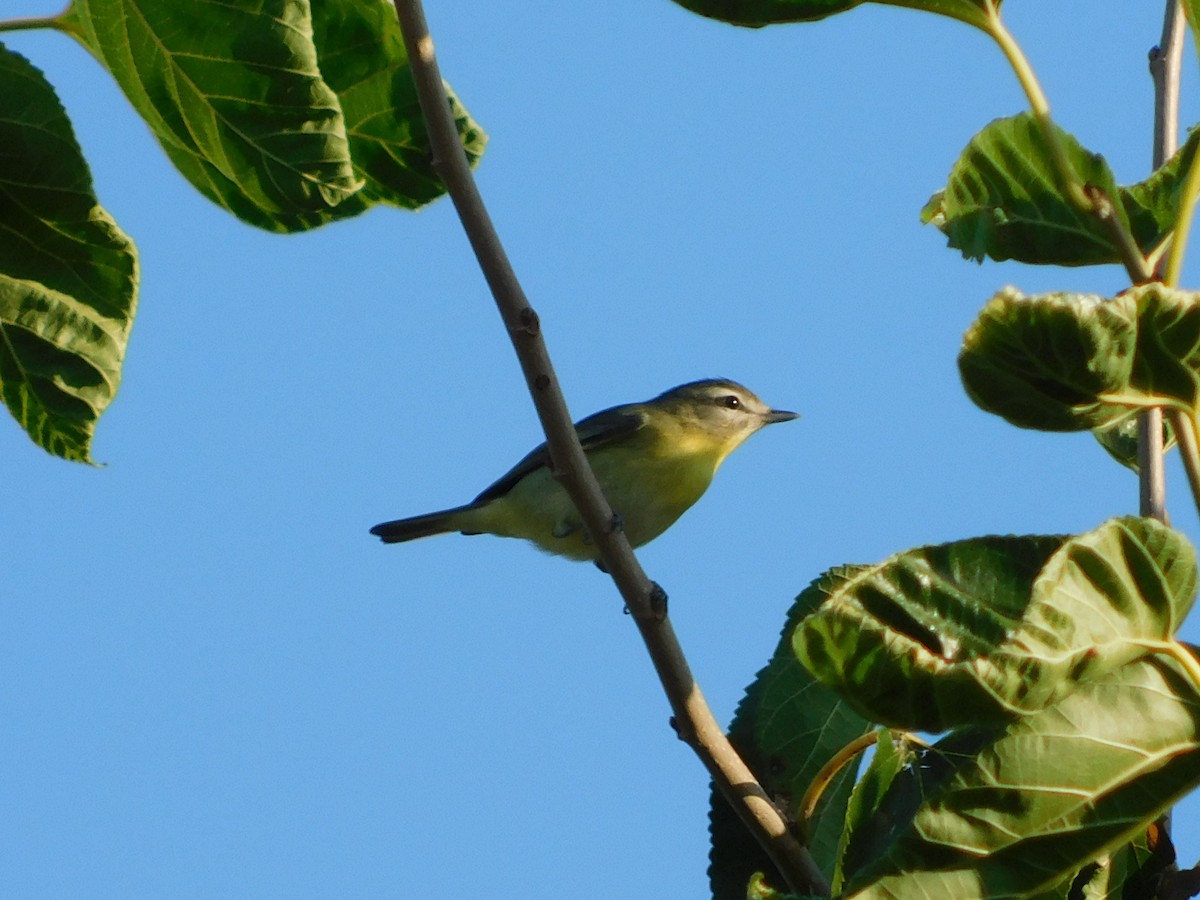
x,y
595,431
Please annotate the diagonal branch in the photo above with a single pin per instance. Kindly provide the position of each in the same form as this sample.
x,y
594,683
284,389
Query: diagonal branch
x,y
644,600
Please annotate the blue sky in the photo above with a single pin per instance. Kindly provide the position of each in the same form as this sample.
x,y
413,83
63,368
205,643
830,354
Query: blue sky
x,y
213,682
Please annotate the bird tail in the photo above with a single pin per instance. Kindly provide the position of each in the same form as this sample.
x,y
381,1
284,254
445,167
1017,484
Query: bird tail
x,y
441,522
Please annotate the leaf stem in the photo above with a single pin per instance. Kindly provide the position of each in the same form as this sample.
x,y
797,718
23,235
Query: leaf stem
x,y
29,23
1038,104
829,771
1184,423
1184,657
645,601
1174,265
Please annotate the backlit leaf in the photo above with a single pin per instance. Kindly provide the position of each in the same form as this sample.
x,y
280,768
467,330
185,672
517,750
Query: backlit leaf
x,y
978,631
1004,200
1026,808
68,275
362,57
233,93
1069,362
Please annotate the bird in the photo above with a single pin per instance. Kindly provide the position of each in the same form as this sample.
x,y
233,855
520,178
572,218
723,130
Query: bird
x,y
653,461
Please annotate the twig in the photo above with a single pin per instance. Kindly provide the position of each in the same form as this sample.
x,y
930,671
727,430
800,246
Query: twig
x,y
644,600
1102,208
1164,70
1165,60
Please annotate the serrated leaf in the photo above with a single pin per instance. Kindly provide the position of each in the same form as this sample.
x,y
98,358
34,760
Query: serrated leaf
x,y
978,631
234,95
1069,362
362,57
786,728
1050,793
68,274
1003,200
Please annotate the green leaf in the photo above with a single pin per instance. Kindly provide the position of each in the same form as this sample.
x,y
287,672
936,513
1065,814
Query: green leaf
x,y
786,728
1003,200
1153,205
1049,361
757,13
973,12
1120,440
68,274
1053,791
1130,870
892,756
233,93
978,631
1063,362
362,57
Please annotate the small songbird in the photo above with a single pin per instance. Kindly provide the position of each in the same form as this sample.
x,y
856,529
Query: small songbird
x,y
653,461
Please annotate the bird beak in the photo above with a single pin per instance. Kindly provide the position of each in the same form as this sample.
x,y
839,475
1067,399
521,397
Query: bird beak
x,y
779,415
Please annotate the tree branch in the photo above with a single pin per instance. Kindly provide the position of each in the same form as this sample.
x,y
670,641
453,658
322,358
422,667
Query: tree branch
x,y
1164,70
644,600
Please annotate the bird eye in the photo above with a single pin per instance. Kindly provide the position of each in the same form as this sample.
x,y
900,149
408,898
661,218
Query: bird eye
x,y
731,401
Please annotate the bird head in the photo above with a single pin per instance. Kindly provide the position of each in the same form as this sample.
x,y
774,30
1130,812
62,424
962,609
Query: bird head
x,y
718,412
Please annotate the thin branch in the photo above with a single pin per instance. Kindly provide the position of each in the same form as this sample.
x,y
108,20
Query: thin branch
x,y
1165,61
1136,266
644,600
